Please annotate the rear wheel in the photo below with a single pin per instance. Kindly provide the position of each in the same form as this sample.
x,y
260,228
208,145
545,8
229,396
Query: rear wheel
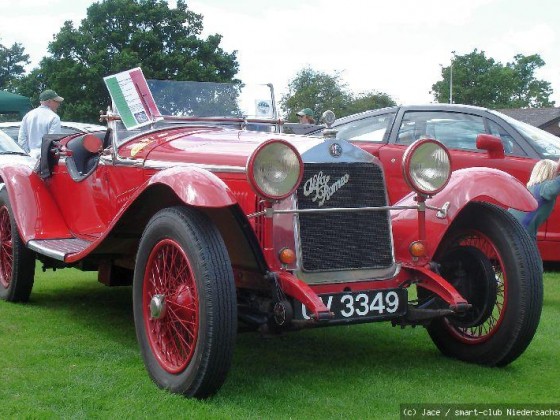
x,y
184,303
17,263
495,265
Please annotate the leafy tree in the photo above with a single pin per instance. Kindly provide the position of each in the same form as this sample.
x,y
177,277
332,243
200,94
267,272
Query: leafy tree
x,y
316,90
478,80
369,100
528,91
12,62
118,35
321,91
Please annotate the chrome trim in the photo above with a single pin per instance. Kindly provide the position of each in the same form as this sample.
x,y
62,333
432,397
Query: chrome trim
x,y
154,164
344,209
441,213
35,246
128,162
269,212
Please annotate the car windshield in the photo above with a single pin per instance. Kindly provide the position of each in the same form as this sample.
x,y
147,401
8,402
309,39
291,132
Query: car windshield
x,y
369,129
546,144
250,107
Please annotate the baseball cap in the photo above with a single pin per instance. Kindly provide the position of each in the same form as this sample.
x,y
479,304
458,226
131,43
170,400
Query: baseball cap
x,y
305,111
49,94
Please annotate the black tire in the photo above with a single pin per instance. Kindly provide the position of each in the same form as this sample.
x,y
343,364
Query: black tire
x,y
17,263
184,303
507,301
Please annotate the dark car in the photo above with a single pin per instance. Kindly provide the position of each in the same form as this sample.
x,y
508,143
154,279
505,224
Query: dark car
x,y
387,132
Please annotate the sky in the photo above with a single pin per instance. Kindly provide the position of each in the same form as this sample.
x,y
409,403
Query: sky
x,y
396,47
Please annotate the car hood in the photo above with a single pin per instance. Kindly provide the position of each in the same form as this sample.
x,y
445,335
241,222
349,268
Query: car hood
x,y
205,146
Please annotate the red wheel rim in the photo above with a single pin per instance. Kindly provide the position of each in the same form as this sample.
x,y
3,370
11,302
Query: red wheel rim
x,y
172,332
6,248
481,333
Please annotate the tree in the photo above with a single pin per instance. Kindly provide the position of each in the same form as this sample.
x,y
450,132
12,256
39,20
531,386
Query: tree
x,y
369,100
118,35
316,90
12,62
528,91
478,80
321,91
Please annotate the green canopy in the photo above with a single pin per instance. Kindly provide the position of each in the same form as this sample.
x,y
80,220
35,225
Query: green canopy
x,y
10,103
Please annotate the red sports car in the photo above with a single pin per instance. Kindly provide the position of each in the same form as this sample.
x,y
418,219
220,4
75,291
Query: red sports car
x,y
215,219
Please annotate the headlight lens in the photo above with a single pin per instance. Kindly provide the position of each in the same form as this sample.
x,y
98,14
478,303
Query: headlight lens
x,y
275,169
427,166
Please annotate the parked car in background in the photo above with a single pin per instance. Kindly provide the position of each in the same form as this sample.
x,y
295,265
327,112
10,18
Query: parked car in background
x,y
386,133
67,127
213,224
7,145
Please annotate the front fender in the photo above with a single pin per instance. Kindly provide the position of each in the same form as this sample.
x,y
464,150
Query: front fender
x,y
465,186
195,186
36,213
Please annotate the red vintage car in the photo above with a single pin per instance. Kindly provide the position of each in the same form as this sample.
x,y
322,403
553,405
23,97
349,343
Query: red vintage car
x,y
217,220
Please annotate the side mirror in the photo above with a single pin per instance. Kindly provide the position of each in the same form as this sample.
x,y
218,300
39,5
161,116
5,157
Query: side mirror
x,y
92,143
492,144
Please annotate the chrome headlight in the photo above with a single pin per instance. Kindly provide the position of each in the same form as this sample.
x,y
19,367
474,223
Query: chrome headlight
x,y
427,166
275,169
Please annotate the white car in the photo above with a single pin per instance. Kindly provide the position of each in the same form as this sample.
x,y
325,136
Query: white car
x,y
10,151
67,127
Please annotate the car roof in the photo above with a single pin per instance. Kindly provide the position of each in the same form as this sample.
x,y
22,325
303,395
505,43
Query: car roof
x,y
395,109
414,107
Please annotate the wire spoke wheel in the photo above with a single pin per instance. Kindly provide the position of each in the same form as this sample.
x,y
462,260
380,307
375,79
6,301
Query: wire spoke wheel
x,y
486,290
173,331
17,263
494,264
184,302
6,248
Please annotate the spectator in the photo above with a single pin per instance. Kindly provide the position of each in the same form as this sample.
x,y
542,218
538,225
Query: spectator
x,y
40,121
544,184
306,116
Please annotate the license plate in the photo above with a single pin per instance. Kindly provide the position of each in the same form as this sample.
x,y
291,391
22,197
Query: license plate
x,y
376,304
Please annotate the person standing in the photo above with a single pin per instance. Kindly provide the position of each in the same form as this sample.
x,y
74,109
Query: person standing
x,y
544,184
40,121
305,116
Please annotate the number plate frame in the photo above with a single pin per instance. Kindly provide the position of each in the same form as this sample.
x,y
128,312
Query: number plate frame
x,y
338,303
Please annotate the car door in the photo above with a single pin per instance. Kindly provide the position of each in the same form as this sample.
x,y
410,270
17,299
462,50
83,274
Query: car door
x,y
91,203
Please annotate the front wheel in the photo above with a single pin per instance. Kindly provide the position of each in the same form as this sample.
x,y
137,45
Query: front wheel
x,y
184,303
490,259
17,263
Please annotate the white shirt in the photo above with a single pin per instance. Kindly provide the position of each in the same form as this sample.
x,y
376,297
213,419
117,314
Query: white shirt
x,y
35,124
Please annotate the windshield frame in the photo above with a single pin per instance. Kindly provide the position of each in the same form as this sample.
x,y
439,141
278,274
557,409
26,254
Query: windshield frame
x,y
238,110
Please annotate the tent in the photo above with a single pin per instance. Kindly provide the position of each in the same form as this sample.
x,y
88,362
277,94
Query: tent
x,y
10,103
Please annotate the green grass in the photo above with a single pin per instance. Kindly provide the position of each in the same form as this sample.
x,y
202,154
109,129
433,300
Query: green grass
x,y
71,352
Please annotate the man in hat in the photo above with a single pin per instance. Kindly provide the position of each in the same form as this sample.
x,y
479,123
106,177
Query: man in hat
x,y
306,116
40,121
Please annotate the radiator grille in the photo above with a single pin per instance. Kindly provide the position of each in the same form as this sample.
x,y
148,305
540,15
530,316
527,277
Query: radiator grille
x,y
344,240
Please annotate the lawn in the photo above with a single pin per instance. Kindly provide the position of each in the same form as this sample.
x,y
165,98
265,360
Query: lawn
x,y
71,352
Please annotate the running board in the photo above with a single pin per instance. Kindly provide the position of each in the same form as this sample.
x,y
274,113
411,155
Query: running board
x,y
58,249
